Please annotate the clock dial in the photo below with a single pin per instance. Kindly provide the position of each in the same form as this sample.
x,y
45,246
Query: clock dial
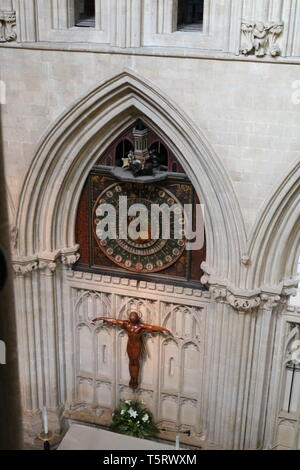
x,y
143,254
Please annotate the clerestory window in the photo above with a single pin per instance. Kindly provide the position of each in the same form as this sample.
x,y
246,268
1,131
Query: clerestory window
x,y
85,13
190,15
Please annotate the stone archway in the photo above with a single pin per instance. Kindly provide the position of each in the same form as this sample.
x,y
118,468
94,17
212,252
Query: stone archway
x,y
46,216
274,245
46,248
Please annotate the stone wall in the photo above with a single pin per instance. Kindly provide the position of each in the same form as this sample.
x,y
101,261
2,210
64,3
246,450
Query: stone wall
x,y
232,119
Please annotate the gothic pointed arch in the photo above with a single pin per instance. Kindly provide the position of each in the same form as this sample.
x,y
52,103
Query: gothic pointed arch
x,y
47,209
274,245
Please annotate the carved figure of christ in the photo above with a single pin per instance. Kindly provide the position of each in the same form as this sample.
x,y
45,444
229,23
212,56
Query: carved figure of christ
x,y
134,329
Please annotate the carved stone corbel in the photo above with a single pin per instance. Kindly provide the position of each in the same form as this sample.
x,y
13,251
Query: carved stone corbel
x,y
7,26
70,256
290,287
260,38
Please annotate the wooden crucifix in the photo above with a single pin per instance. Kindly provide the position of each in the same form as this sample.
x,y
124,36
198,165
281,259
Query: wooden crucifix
x,y
134,328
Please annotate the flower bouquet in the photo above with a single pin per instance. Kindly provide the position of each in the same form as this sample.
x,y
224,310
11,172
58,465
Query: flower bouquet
x,y
133,419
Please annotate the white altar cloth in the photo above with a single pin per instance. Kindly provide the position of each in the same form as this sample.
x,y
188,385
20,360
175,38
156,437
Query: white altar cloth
x,y
81,437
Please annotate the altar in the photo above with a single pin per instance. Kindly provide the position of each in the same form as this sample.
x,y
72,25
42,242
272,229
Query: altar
x,y
81,437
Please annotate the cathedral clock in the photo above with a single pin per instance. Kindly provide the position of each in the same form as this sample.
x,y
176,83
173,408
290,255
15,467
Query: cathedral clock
x,y
140,170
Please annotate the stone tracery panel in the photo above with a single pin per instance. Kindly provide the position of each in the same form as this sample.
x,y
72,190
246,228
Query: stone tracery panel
x,y
181,367
288,424
170,371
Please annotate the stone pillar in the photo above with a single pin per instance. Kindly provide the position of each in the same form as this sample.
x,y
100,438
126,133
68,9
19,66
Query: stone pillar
x,y
49,335
65,325
261,368
28,340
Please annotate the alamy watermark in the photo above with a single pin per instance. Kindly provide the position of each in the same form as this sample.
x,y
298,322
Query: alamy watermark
x,y
137,222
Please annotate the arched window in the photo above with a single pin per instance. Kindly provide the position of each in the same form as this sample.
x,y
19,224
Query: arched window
x,y
85,13
190,15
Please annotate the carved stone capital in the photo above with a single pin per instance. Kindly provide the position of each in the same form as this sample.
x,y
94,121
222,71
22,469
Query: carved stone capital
x,y
48,266
260,38
23,266
290,287
241,300
219,293
244,301
48,261
269,301
70,256
7,26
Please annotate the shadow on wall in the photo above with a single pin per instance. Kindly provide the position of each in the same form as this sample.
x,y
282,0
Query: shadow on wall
x,y
10,414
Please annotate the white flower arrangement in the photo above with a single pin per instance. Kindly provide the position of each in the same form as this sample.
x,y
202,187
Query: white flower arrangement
x,y
133,419
132,413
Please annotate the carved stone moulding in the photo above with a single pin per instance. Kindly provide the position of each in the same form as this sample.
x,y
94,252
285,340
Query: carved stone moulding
x,y
260,38
23,266
247,300
241,300
7,26
47,261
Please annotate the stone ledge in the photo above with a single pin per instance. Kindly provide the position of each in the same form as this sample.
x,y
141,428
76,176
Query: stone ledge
x,y
152,51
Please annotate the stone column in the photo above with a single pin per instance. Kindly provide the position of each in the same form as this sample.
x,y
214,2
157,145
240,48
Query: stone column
x,y
65,325
49,336
28,339
261,368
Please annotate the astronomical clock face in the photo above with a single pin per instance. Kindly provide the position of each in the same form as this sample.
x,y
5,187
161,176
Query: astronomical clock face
x,y
142,254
